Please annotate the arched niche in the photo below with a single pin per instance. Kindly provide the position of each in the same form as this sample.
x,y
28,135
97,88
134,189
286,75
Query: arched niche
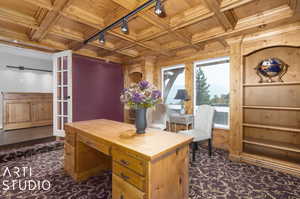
x,y
135,77
290,55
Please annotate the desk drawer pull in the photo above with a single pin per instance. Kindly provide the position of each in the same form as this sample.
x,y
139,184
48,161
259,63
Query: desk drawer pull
x,y
125,177
124,162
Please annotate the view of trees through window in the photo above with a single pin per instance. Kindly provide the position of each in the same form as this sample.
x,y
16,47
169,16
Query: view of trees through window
x,y
212,87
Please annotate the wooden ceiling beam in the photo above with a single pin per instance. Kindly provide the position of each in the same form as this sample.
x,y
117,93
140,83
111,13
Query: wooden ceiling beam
x,y
23,39
265,17
16,17
227,22
49,20
100,53
41,3
223,42
93,54
77,36
231,4
293,4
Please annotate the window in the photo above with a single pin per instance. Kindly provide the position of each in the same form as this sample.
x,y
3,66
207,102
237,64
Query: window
x,y
172,80
212,87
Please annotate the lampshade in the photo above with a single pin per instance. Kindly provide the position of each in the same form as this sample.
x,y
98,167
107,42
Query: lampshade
x,y
182,95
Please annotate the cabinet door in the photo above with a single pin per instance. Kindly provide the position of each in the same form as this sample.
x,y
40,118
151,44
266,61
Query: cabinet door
x,y
17,112
123,190
42,111
62,85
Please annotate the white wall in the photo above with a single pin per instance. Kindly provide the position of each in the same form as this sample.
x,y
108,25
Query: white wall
x,y
14,80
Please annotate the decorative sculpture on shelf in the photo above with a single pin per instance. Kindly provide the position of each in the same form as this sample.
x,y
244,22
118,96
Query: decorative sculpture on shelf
x,y
270,68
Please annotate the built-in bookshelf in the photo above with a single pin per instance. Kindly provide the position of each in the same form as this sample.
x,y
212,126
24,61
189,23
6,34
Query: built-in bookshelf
x,y
271,113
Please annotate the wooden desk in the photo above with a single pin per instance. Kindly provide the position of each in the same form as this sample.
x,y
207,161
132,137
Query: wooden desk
x,y
149,166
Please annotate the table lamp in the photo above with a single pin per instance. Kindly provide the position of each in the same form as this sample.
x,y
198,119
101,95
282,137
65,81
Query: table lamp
x,y
183,96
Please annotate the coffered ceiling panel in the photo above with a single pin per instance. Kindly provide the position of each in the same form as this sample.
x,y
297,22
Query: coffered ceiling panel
x,y
188,26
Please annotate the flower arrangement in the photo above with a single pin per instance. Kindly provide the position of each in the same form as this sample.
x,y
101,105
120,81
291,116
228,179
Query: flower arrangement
x,y
141,95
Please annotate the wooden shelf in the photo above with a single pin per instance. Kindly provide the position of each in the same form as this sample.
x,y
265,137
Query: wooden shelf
x,y
283,164
271,84
272,127
273,144
273,108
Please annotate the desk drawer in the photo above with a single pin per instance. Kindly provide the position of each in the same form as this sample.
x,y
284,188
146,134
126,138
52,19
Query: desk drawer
x,y
123,190
137,165
129,176
100,146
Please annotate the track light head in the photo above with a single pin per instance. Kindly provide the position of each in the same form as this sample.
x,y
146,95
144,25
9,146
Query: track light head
x,y
159,9
124,26
102,38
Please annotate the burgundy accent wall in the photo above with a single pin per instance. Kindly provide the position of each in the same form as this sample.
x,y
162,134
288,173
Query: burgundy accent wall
x,y
96,89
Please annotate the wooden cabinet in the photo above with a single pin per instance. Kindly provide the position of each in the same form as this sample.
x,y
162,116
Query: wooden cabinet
x,y
24,110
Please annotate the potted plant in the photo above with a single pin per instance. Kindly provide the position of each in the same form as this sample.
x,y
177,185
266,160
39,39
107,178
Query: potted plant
x,y
141,96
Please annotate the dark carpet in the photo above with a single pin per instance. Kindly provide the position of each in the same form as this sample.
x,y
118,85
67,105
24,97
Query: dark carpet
x,y
210,178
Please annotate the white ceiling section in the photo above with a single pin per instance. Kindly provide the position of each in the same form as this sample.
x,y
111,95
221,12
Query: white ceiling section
x,y
25,52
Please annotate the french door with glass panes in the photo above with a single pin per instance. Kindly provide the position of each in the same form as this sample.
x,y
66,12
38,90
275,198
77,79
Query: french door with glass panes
x,y
62,91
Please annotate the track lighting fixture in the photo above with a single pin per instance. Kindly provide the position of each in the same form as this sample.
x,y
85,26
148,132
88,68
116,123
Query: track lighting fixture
x,y
102,38
124,26
159,9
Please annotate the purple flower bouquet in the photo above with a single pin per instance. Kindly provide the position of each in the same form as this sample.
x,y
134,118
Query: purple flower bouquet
x,y
141,95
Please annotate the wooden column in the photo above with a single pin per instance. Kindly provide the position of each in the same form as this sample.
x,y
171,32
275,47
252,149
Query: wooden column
x,y
235,137
149,69
189,86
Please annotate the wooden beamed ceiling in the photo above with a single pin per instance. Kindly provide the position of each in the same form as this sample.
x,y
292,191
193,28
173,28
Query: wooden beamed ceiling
x,y
189,25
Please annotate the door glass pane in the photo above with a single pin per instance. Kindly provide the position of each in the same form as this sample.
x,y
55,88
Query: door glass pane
x,y
59,127
59,108
58,93
65,120
65,93
59,63
66,108
59,78
65,78
65,62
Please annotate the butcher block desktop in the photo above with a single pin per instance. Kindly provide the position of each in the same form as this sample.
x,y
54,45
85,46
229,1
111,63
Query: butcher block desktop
x,y
148,166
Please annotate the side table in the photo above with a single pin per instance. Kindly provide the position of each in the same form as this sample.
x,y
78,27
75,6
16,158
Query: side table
x,y
185,119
